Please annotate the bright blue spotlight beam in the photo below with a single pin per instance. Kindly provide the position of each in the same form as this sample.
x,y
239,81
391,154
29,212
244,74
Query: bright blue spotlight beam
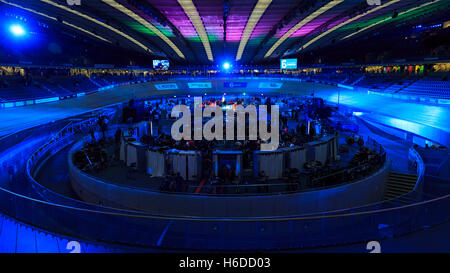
x,y
226,66
17,30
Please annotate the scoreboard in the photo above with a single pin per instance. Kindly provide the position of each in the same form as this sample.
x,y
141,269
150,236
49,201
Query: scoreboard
x,y
288,64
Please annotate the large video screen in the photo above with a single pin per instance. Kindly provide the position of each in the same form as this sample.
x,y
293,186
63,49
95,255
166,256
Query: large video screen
x,y
161,64
288,64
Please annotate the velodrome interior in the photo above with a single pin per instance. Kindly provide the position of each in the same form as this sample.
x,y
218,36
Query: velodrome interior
x,y
87,154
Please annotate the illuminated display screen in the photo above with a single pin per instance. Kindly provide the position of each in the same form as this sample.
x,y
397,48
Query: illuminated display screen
x,y
161,64
288,63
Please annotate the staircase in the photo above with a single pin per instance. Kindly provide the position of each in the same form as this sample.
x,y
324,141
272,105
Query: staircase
x,y
358,80
399,184
64,89
406,85
49,90
95,83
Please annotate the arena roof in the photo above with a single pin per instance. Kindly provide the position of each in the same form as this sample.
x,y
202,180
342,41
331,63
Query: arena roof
x,y
246,31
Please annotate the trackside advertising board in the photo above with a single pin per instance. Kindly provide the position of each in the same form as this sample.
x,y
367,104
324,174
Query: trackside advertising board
x,y
199,85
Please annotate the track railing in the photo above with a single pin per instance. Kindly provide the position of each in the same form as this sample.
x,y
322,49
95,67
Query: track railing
x,y
214,233
415,159
55,143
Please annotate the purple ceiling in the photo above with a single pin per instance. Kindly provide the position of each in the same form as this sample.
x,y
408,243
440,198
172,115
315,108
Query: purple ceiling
x,y
223,29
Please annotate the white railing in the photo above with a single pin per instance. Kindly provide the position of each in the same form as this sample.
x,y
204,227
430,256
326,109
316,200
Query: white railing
x,y
415,159
60,138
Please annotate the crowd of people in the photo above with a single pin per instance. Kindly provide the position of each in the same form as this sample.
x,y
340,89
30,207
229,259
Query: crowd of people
x,y
293,132
293,126
295,114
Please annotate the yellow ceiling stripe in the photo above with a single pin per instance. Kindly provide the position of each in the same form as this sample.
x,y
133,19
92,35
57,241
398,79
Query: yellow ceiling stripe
x,y
305,21
389,18
85,31
99,23
54,18
193,15
346,22
257,13
145,23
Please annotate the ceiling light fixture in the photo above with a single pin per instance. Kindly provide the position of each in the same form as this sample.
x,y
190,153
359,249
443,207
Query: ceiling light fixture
x,y
190,10
55,19
303,22
389,18
145,23
256,15
99,23
345,23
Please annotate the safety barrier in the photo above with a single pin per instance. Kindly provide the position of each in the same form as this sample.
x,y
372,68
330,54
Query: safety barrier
x,y
214,233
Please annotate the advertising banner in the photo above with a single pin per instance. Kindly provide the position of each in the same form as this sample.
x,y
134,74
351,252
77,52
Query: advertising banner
x,y
270,85
235,84
199,85
166,86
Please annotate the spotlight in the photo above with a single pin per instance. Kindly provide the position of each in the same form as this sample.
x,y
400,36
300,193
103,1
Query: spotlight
x,y
226,66
17,30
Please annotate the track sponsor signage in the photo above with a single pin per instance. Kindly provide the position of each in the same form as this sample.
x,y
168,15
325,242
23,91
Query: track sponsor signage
x,y
270,85
166,86
235,84
199,85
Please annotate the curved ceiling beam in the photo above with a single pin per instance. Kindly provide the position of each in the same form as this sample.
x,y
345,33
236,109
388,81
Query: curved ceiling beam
x,y
257,13
144,6
389,18
296,43
303,22
145,23
190,10
56,19
136,42
345,23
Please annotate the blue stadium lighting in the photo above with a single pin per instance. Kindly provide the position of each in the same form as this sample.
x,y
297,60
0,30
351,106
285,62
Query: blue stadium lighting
x,y
345,156
17,30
